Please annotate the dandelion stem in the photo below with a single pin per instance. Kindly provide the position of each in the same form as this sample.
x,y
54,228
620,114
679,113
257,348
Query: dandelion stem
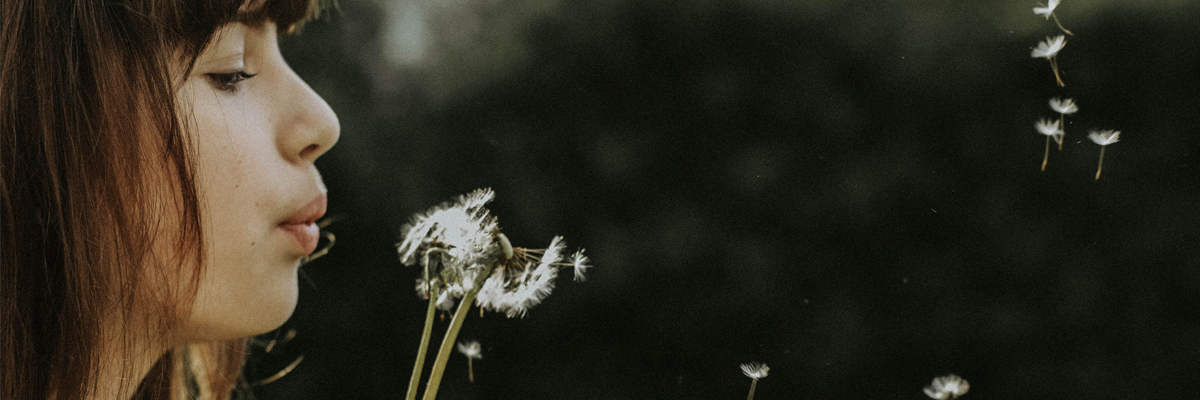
x,y
753,383
415,380
470,370
1046,157
1060,24
1054,66
439,364
1100,166
1062,123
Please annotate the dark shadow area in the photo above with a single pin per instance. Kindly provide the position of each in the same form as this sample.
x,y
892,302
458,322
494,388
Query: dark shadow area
x,y
852,197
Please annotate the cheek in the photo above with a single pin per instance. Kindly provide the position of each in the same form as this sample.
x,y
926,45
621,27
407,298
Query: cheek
x,y
232,170
248,286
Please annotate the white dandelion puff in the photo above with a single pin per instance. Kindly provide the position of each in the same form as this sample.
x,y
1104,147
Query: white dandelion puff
x,y
519,284
470,349
1051,129
1048,127
1048,11
754,371
463,229
473,352
1049,49
1103,138
451,242
1063,107
947,387
580,263
464,256
523,280
445,302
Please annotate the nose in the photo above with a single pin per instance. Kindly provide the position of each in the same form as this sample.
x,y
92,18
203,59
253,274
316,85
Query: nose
x,y
307,126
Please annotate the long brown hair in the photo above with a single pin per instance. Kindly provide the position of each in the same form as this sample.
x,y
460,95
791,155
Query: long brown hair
x,y
88,119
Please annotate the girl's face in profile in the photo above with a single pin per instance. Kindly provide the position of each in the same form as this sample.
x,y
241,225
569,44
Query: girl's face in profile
x,y
257,129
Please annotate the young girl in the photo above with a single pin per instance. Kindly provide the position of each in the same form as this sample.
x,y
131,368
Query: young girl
x,y
158,192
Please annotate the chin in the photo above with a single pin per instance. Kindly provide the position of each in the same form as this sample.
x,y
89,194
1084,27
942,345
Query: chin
x,y
235,317
272,317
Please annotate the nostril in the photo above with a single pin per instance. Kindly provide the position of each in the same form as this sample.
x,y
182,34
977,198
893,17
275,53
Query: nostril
x,y
308,151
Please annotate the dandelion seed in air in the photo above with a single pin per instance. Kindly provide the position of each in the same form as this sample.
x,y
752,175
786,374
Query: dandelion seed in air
x,y
1048,12
472,351
1051,129
947,387
1049,49
1103,138
580,263
754,371
1063,107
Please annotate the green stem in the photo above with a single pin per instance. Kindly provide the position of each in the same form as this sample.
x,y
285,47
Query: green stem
x,y
415,380
460,315
753,383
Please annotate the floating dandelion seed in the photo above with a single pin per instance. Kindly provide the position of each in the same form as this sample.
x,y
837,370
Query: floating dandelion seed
x,y
1048,12
1063,107
580,263
1049,49
947,387
754,371
445,303
1051,129
472,351
1103,138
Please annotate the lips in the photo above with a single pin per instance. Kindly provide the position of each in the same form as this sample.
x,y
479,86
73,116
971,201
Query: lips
x,y
302,226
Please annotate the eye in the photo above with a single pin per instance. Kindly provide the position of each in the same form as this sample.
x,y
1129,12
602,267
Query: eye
x,y
228,82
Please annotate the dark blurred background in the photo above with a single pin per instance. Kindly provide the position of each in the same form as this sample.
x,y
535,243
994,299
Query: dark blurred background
x,y
848,191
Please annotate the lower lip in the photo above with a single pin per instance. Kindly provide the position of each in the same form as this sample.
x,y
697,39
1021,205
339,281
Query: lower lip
x,y
306,235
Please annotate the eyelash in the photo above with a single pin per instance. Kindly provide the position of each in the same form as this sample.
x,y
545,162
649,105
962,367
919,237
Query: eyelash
x,y
228,82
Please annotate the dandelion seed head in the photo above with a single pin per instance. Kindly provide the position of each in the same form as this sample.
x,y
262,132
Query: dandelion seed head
x,y
554,252
755,370
1047,10
500,294
1049,48
470,349
463,229
947,387
1104,137
1063,106
451,242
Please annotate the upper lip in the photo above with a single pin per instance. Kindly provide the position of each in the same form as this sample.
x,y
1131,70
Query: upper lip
x,y
309,213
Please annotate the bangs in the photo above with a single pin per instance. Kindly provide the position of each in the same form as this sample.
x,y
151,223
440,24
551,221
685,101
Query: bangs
x,y
289,15
190,24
